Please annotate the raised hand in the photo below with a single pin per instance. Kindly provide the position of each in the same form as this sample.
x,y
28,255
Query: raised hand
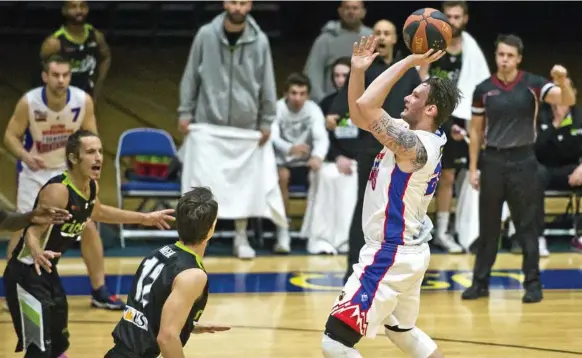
x,y
426,58
559,74
363,53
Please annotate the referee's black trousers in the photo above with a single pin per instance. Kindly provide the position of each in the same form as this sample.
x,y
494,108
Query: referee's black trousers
x,y
509,175
365,161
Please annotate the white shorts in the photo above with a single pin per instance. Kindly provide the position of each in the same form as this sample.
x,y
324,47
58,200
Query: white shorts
x,y
30,183
384,288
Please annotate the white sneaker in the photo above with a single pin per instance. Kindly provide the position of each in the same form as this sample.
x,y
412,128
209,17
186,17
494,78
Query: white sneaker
x,y
242,248
543,245
447,242
283,245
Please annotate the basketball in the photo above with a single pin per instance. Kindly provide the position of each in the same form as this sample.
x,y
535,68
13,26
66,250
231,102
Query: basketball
x,y
427,29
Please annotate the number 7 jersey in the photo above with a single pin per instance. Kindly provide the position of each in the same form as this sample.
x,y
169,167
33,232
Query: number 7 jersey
x,y
49,129
395,202
138,329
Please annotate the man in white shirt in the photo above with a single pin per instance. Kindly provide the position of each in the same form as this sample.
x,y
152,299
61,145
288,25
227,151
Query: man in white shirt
x,y
300,142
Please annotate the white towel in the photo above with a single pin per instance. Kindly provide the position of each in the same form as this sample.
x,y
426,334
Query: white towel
x,y
473,71
242,175
331,202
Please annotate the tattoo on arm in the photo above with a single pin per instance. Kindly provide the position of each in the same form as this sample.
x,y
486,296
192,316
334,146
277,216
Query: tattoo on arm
x,y
402,141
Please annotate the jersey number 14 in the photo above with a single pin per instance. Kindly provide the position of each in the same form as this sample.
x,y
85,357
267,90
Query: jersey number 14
x,y
150,272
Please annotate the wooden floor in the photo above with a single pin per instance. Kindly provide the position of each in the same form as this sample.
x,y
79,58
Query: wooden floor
x,y
277,307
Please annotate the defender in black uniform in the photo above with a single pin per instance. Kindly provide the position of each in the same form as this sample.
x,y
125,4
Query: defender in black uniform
x,y
170,288
509,100
83,45
34,293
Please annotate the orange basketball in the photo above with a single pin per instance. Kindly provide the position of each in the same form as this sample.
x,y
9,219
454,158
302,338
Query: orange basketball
x,y
427,29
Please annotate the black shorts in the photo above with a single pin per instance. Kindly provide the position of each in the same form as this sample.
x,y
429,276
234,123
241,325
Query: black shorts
x,y
39,310
298,177
120,350
455,153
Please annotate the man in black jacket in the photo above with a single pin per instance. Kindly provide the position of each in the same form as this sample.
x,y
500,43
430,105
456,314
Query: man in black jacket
x,y
368,146
558,149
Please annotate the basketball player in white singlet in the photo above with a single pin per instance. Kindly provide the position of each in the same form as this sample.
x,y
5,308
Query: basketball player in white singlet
x,y
384,290
51,114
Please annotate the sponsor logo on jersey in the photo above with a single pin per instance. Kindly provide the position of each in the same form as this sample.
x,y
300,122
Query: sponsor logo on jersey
x,y
73,228
375,170
135,317
39,116
52,139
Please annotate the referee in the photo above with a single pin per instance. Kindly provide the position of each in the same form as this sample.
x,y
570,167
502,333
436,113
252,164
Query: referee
x,y
509,100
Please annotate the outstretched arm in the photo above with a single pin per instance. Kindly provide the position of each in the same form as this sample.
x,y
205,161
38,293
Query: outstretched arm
x,y
186,289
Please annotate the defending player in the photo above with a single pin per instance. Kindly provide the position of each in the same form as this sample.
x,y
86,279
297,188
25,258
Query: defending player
x,y
170,289
34,292
384,290
49,114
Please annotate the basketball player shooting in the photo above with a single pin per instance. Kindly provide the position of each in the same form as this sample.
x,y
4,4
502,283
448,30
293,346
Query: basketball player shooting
x,y
384,289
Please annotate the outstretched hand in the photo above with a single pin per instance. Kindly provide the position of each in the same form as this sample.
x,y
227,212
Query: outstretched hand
x,y
363,53
426,58
159,219
48,215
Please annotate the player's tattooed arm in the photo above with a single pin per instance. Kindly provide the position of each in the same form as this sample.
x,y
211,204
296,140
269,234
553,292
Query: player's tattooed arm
x,y
403,142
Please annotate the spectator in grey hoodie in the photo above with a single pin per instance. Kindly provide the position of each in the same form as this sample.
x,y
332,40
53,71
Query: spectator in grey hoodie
x,y
229,81
335,41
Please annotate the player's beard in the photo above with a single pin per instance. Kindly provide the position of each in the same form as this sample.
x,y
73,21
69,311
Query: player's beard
x,y
458,31
236,18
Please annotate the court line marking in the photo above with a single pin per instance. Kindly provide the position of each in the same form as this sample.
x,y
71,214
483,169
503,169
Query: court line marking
x,y
310,330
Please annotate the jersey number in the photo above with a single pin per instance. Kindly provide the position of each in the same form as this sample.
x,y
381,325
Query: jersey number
x,y
150,272
76,112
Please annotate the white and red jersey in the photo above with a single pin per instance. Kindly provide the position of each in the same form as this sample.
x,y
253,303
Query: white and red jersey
x,y
50,130
395,202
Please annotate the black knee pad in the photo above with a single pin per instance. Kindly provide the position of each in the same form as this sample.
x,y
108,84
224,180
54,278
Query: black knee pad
x,y
397,329
341,332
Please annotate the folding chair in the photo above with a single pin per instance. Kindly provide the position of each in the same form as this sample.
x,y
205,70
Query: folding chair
x,y
572,210
147,142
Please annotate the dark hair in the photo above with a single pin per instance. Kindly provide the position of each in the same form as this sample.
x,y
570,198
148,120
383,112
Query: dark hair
x,y
74,144
195,214
297,79
346,61
53,59
445,95
510,40
462,4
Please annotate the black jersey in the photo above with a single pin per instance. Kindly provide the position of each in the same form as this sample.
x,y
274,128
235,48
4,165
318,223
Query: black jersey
x,y
59,238
448,66
510,109
138,329
83,56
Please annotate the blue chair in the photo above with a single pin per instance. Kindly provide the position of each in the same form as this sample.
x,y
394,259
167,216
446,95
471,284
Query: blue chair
x,y
150,142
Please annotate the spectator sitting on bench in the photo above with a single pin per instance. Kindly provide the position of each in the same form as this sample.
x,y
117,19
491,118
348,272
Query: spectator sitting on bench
x,y
300,142
559,147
